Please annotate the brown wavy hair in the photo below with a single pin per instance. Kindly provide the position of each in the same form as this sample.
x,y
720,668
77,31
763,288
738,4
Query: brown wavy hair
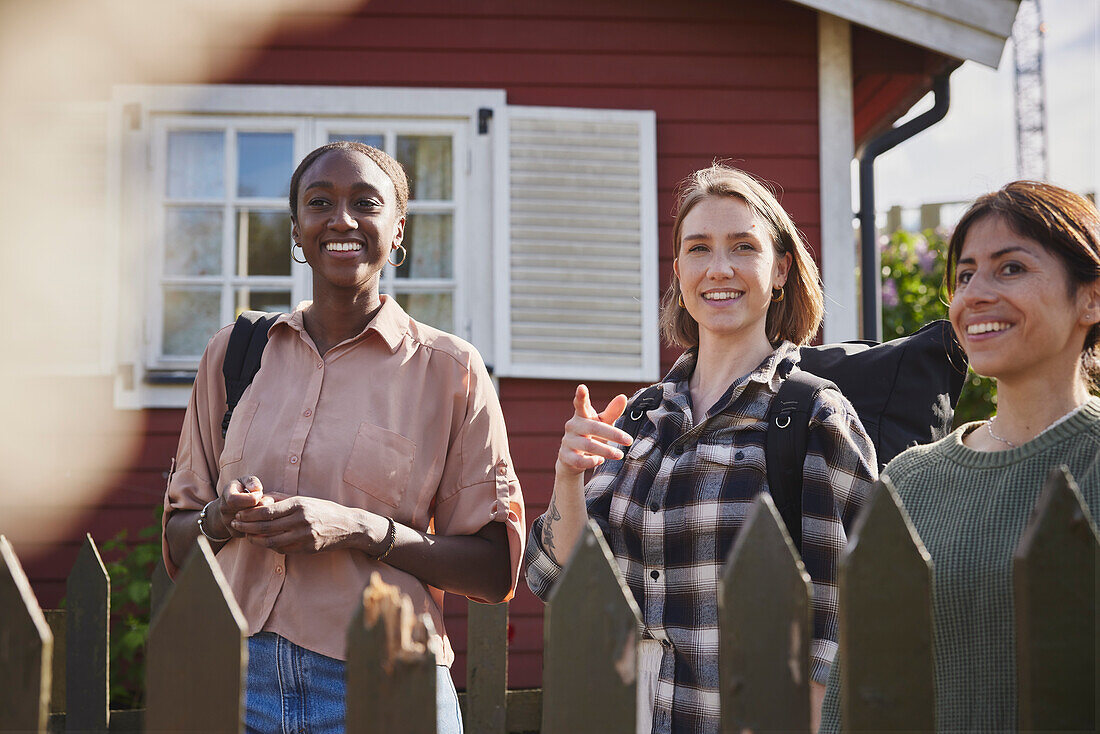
x,y
797,317
1066,224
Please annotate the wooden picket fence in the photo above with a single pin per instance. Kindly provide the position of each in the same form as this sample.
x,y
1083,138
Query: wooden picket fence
x,y
197,645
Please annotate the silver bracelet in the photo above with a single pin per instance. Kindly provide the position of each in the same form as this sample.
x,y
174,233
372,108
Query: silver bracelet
x,y
202,516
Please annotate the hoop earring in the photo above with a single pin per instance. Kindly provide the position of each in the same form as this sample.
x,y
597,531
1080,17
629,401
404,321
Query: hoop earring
x,y
293,255
781,296
680,300
404,254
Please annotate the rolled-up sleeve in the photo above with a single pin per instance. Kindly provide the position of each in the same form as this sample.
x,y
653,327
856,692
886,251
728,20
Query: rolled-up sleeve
x,y
479,482
191,483
840,467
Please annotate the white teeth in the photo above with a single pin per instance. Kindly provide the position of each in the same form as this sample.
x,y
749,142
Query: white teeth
x,y
721,295
987,327
343,246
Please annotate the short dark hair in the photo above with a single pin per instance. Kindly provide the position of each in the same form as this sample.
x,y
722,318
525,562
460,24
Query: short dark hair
x,y
389,166
1066,224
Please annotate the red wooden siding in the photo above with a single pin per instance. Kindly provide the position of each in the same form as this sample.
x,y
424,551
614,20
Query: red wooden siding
x,y
728,80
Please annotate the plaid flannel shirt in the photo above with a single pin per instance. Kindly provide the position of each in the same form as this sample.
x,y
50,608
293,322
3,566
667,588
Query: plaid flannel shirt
x,y
671,516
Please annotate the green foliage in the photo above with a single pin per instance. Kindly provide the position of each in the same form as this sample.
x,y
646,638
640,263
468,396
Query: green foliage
x,y
914,293
131,572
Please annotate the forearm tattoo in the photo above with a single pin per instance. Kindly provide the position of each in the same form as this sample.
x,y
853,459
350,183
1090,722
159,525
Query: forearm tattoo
x,y
552,516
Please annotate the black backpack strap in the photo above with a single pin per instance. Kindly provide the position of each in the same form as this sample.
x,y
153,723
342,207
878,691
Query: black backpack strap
x,y
788,435
242,357
643,402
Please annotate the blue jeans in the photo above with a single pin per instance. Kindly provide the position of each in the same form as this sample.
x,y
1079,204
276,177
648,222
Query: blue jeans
x,y
292,690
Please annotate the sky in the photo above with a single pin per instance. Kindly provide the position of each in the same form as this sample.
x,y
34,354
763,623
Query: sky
x,y
973,149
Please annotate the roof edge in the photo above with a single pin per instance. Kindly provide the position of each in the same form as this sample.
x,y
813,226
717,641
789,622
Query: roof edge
x,y
933,25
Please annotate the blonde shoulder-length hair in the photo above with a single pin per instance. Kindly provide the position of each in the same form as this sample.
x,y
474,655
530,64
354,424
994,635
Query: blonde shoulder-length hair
x,y
797,316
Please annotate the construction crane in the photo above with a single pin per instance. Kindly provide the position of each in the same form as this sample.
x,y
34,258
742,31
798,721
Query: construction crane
x,y
1031,129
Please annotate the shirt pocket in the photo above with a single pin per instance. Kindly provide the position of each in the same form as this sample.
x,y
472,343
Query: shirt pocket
x,y
237,434
380,464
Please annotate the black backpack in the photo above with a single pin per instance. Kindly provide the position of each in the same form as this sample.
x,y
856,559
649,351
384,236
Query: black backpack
x,y
242,357
904,391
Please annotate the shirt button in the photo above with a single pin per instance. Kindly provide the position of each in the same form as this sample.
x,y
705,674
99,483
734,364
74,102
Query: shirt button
x,y
307,413
654,507
293,459
502,470
739,455
655,575
278,569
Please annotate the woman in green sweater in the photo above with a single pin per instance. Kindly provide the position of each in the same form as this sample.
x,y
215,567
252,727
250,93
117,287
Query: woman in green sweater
x,y
1024,278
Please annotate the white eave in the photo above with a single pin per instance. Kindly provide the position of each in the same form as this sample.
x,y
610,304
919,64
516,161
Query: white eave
x,y
973,30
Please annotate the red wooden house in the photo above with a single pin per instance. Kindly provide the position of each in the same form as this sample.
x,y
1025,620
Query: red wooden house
x,y
544,142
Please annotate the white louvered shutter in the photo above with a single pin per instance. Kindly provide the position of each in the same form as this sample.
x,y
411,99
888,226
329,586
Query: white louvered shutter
x,y
576,247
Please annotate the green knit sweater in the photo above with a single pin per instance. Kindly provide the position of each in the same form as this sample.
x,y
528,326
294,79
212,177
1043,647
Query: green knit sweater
x,y
970,507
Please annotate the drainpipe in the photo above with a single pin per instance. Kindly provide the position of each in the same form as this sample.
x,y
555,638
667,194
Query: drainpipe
x,y
871,259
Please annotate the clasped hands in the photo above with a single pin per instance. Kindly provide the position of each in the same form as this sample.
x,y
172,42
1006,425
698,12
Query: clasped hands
x,y
295,524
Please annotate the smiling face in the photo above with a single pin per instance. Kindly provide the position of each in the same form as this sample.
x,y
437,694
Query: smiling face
x,y
347,221
1015,310
727,267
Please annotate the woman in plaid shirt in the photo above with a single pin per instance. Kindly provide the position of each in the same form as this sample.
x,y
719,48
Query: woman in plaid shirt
x,y
744,295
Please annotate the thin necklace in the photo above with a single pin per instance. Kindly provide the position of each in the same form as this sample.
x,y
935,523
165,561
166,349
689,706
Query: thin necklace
x,y
989,428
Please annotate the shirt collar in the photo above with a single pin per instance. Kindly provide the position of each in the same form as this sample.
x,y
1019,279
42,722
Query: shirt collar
x,y
770,372
391,322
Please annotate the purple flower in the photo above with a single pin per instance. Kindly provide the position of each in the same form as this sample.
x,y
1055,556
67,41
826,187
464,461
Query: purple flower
x,y
890,293
926,258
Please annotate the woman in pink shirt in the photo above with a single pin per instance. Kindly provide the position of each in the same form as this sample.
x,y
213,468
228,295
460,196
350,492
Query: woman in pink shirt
x,y
367,443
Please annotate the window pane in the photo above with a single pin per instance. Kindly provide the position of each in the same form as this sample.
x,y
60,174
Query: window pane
x,y
191,316
193,241
428,238
196,164
375,141
433,309
263,242
250,299
427,162
264,164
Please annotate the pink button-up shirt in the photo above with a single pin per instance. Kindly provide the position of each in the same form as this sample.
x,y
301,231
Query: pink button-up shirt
x,y
401,420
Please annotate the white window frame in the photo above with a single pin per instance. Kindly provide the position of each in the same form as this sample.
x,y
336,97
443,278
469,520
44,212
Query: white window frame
x,y
138,208
298,280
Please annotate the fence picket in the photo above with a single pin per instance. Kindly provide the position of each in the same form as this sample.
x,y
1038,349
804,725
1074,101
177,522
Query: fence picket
x,y
26,650
88,612
1054,573
486,667
765,624
391,672
885,575
591,625
197,658
159,587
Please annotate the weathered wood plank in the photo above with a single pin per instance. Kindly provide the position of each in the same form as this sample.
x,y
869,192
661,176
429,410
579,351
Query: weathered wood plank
x,y
765,625
55,618
486,668
885,575
26,650
197,657
87,630
391,672
1054,571
161,585
591,645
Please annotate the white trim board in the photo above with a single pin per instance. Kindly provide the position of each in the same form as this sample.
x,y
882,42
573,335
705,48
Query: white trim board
x,y
836,132
974,30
